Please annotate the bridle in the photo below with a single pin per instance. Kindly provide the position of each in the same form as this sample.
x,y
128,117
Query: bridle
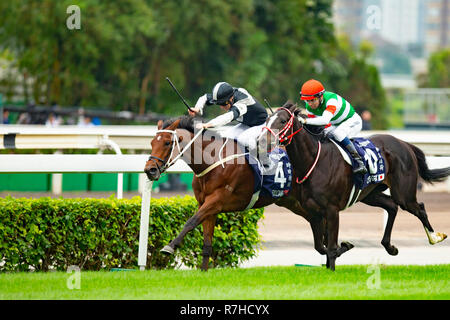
x,y
283,136
168,162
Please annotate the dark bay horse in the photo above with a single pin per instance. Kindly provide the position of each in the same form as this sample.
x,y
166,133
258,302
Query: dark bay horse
x,y
227,187
326,190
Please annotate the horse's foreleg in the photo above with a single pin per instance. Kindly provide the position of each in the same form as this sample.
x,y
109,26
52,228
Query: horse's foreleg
x,y
321,239
318,229
208,232
190,224
333,232
209,208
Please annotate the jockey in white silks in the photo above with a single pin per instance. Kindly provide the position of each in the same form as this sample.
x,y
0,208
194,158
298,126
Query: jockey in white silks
x,y
240,106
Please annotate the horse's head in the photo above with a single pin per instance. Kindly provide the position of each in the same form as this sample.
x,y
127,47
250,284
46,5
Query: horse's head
x,y
163,145
279,127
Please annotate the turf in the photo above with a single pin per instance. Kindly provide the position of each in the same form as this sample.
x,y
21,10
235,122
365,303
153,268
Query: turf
x,y
272,283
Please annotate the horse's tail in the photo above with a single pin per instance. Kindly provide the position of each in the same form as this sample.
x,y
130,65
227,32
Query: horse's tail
x,y
427,174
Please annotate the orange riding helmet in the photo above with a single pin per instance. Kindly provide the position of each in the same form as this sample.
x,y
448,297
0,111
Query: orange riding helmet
x,y
312,89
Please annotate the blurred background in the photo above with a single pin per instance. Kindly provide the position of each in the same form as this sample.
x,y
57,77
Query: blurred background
x,y
92,62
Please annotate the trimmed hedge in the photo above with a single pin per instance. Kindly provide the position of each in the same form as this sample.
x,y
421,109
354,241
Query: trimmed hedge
x,y
45,233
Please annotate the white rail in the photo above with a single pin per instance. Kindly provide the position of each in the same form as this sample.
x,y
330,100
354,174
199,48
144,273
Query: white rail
x,y
436,143
86,163
433,143
73,137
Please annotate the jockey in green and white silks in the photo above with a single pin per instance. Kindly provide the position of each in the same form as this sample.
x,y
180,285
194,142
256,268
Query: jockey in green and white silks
x,y
328,109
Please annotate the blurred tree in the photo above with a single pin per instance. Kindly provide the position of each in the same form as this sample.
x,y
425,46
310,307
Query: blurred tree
x,y
124,50
358,81
438,69
90,66
395,59
299,37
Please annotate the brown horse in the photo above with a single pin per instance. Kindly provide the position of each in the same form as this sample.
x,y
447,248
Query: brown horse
x,y
227,187
326,190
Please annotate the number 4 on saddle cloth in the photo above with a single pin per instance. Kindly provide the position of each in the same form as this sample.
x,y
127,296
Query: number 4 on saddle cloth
x,y
273,178
372,159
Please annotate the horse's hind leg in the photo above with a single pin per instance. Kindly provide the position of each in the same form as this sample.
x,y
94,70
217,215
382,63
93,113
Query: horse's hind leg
x,y
408,202
418,209
379,199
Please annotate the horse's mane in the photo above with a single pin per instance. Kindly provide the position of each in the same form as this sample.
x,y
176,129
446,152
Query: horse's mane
x,y
288,104
294,108
186,122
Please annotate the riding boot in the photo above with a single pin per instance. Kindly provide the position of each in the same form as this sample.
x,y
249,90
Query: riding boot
x,y
360,168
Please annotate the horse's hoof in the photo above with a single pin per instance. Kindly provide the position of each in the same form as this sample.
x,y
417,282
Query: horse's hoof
x,y
440,237
167,250
347,245
435,237
393,251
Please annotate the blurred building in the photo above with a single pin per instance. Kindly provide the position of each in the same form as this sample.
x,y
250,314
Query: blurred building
x,y
418,26
400,21
403,32
348,18
437,25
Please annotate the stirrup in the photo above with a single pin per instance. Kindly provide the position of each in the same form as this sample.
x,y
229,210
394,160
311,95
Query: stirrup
x,y
360,170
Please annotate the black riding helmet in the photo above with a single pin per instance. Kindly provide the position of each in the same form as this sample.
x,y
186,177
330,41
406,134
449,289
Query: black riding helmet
x,y
222,92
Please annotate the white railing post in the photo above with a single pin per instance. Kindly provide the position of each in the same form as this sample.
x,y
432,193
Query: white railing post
x,y
143,231
116,148
57,180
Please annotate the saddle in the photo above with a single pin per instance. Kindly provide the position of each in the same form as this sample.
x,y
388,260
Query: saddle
x,y
273,178
372,159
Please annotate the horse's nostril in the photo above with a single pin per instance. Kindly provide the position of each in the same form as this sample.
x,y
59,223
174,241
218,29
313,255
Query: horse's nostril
x,y
151,171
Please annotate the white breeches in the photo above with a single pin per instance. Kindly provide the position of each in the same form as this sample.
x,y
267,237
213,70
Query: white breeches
x,y
244,134
349,128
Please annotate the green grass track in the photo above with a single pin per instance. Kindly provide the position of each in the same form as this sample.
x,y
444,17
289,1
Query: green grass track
x,y
271,283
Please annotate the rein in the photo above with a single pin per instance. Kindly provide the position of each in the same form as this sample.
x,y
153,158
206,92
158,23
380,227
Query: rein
x,y
313,166
169,161
282,137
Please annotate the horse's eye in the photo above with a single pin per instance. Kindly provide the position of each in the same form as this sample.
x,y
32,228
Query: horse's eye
x,y
167,143
283,121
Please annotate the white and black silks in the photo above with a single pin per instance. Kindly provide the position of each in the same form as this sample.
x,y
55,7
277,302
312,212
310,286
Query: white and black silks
x,y
245,109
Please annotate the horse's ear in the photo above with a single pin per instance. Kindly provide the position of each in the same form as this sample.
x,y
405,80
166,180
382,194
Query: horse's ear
x,y
160,124
293,108
174,125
